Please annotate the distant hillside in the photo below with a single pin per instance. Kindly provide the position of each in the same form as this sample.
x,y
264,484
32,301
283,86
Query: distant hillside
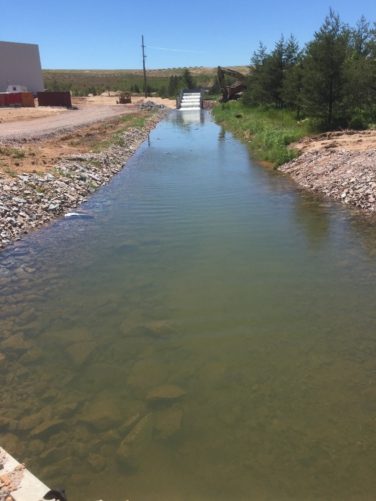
x,y
83,82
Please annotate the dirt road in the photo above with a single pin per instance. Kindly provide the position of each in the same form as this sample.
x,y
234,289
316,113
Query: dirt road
x,y
70,119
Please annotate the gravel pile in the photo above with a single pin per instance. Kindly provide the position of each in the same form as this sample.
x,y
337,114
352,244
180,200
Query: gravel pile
x,y
28,201
150,106
347,176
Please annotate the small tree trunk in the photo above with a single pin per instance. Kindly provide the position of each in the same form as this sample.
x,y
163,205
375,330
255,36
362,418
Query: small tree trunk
x,y
330,110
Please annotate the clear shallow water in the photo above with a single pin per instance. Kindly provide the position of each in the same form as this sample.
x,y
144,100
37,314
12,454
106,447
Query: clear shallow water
x,y
204,271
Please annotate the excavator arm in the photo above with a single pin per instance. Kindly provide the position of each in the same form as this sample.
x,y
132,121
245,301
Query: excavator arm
x,y
234,90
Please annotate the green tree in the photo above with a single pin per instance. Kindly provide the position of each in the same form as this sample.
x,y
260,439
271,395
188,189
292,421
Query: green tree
x,y
173,86
292,88
324,75
188,80
269,71
360,71
256,88
162,91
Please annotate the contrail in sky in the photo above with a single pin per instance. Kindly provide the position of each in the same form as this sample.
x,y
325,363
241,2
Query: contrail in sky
x,y
175,50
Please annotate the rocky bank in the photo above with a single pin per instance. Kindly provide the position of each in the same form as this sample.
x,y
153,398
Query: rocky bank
x,y
30,200
342,174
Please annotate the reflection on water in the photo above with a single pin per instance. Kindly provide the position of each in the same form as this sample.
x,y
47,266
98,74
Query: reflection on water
x,y
314,218
210,334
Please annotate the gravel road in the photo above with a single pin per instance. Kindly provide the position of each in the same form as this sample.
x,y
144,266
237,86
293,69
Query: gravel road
x,y
48,126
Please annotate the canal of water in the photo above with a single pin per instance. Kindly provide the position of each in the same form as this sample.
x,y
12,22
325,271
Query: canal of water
x,y
209,335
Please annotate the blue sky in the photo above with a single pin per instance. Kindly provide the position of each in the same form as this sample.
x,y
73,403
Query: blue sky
x,y
107,34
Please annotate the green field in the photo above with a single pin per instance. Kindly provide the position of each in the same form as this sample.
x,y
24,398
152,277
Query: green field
x,y
84,82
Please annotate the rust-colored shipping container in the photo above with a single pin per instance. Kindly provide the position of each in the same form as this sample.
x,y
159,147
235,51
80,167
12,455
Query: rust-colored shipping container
x,y
27,99
24,99
11,99
55,99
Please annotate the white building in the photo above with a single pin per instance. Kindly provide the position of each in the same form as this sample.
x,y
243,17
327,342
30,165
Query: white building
x,y
20,67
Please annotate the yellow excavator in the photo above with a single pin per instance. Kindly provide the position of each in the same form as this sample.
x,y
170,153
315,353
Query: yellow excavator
x,y
233,90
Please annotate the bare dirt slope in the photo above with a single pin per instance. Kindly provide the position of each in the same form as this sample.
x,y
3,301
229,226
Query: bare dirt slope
x,y
340,165
347,140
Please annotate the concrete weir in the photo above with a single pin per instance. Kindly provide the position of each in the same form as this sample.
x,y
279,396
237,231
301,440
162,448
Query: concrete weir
x,y
190,101
17,481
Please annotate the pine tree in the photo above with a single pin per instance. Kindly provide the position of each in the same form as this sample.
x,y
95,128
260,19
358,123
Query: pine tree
x,y
267,80
360,70
188,80
172,89
256,89
324,73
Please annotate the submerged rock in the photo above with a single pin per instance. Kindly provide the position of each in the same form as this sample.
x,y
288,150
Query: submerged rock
x,y
101,414
97,462
30,421
16,343
69,336
165,393
146,373
131,449
47,428
159,328
80,352
168,422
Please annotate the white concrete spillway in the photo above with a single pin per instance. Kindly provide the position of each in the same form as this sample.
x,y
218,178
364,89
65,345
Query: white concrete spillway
x,y
190,101
17,480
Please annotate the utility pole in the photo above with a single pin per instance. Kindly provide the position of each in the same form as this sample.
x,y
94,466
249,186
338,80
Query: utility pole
x,y
143,65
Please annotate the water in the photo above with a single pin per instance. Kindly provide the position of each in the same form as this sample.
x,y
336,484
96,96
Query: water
x,y
205,271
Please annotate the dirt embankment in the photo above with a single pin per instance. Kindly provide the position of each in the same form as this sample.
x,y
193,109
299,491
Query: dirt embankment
x,y
40,179
340,165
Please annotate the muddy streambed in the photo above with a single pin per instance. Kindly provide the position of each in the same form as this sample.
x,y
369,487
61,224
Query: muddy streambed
x,y
209,334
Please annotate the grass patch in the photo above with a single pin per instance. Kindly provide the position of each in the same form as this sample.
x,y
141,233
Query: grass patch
x,y
133,120
16,153
268,131
123,123
11,172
